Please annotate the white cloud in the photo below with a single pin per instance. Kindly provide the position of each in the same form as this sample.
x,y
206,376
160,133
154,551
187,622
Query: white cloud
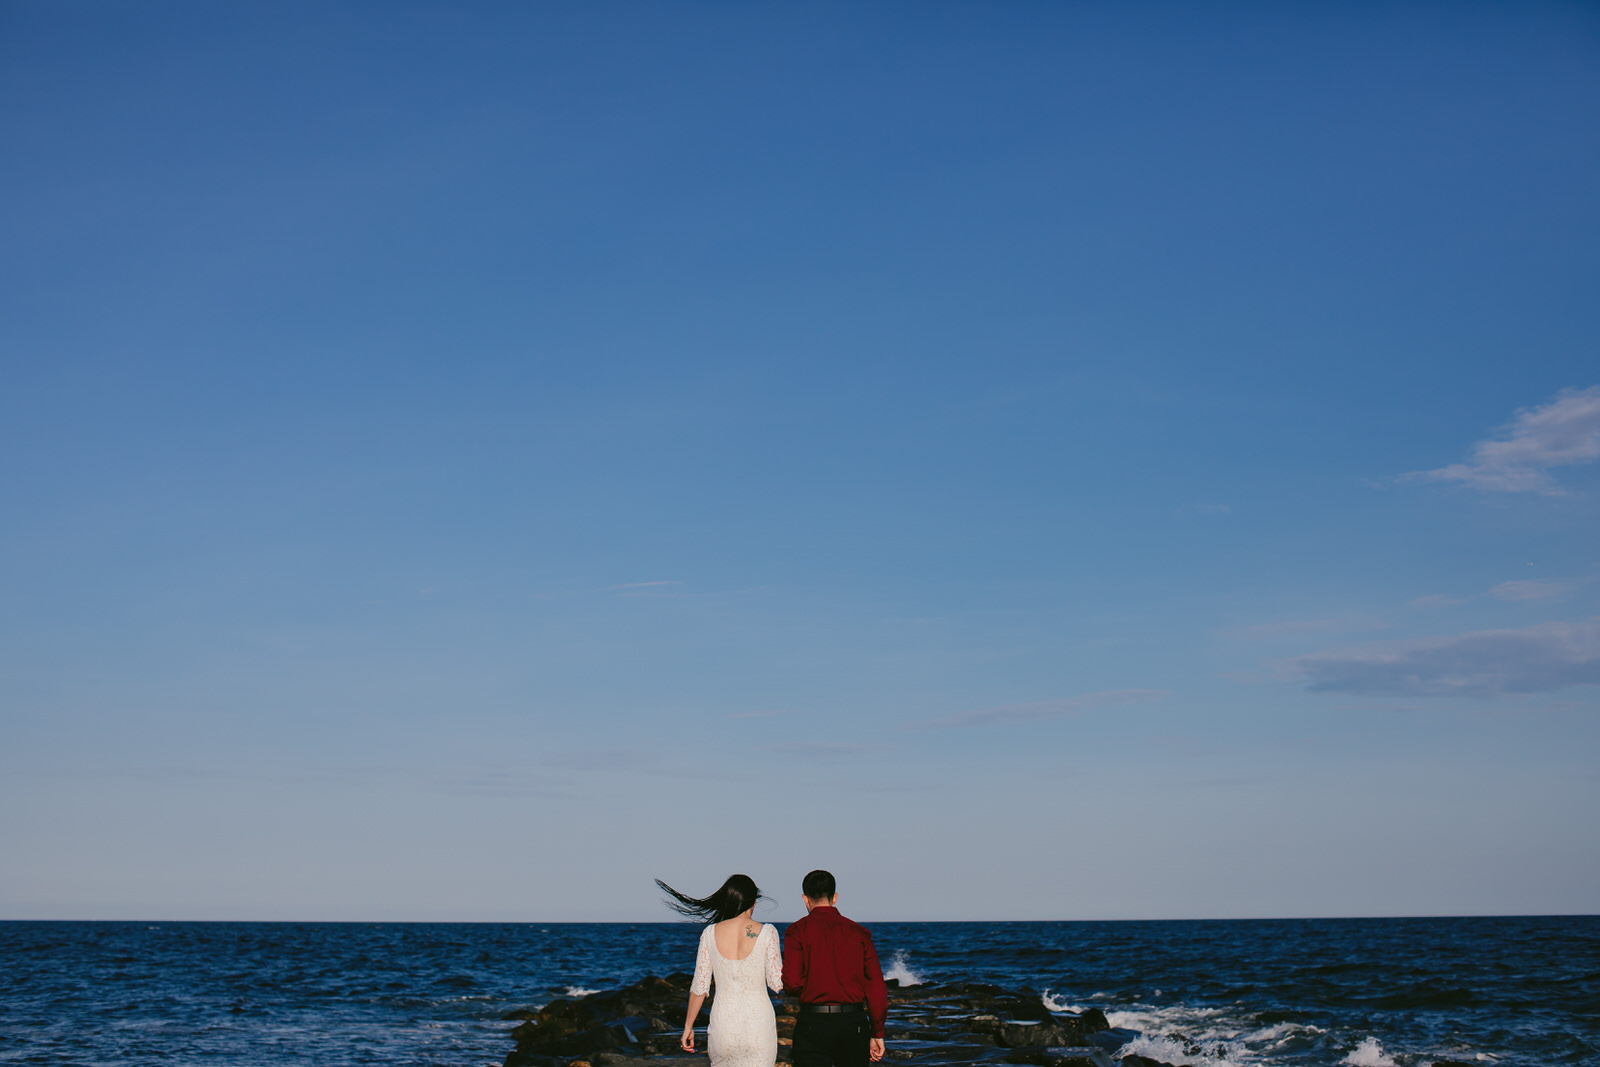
x,y
818,749
1522,589
1535,659
642,588
1531,590
1562,432
1291,627
1437,600
1046,709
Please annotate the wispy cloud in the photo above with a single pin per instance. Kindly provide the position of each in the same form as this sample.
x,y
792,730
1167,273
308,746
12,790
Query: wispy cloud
x,y
1531,590
819,749
1292,627
632,761
1518,458
1534,659
1045,709
1518,590
599,759
641,588
1437,600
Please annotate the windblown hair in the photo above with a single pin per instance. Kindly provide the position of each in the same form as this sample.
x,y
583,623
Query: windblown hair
x,y
737,895
819,885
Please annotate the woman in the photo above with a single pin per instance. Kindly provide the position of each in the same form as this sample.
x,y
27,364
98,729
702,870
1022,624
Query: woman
x,y
743,956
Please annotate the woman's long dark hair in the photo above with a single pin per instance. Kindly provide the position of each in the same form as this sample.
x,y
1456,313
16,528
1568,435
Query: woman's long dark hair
x,y
737,895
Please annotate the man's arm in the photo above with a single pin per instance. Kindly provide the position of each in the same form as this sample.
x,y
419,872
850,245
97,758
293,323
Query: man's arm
x,y
794,959
877,992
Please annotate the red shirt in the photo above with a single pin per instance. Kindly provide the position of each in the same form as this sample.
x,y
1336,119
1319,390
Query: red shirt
x,y
828,959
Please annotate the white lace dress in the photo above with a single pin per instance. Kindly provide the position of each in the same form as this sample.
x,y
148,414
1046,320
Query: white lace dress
x,y
744,1030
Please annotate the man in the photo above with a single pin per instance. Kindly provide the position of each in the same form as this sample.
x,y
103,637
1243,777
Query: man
x,y
831,963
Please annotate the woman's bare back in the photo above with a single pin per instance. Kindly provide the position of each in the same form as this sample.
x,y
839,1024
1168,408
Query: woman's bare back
x,y
736,937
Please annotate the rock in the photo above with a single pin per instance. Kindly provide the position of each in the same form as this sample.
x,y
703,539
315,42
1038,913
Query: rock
x,y
1142,1061
1113,1038
1455,1063
1081,1056
1059,1031
639,1026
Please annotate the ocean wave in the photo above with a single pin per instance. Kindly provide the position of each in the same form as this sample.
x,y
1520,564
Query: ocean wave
x,y
900,971
1177,1052
1368,1054
1190,1036
579,991
1281,1035
1056,1004
1183,1036
1429,996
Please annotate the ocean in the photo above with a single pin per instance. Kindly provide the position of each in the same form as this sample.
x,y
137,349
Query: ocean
x,y
1519,992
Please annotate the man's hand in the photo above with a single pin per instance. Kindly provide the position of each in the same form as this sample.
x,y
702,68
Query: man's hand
x,y
875,1046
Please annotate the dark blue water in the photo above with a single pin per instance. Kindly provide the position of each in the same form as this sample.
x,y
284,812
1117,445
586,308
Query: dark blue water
x,y
1365,992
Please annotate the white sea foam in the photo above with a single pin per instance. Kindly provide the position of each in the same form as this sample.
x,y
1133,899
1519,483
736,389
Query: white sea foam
x,y
1278,1033
1368,1054
1170,1050
1056,1004
579,991
901,971
1190,1036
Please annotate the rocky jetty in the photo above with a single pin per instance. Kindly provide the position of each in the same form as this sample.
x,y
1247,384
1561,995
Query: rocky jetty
x,y
949,1024
964,1023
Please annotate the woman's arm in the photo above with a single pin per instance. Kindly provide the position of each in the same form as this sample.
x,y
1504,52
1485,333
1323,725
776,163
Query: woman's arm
x,y
695,1001
698,988
774,961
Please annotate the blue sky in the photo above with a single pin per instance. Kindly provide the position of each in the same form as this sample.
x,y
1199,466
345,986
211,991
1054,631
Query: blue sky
x,y
1036,460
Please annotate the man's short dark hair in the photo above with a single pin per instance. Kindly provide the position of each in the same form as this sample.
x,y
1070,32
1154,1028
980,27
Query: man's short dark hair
x,y
818,885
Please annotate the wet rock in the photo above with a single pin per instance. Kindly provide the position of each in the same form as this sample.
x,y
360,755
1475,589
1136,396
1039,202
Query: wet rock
x,y
1083,1056
640,1026
1113,1038
1142,1061
1058,1031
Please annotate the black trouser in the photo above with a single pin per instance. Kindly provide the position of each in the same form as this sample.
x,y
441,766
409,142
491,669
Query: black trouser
x,y
832,1040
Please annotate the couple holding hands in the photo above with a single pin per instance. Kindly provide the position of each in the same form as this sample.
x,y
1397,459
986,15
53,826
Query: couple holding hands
x,y
827,960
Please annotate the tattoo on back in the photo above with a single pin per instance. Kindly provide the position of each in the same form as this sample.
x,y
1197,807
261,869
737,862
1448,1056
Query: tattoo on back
x,y
752,931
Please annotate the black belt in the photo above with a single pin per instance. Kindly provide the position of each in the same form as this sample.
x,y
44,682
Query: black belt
x,y
830,1009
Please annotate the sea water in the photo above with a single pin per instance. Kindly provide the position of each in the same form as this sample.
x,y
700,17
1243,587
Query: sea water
x,y
1520,992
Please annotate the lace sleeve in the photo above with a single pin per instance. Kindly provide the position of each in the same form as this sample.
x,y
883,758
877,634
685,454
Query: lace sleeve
x,y
774,961
702,968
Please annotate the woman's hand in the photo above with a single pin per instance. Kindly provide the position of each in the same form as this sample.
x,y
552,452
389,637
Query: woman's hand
x,y
688,1038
